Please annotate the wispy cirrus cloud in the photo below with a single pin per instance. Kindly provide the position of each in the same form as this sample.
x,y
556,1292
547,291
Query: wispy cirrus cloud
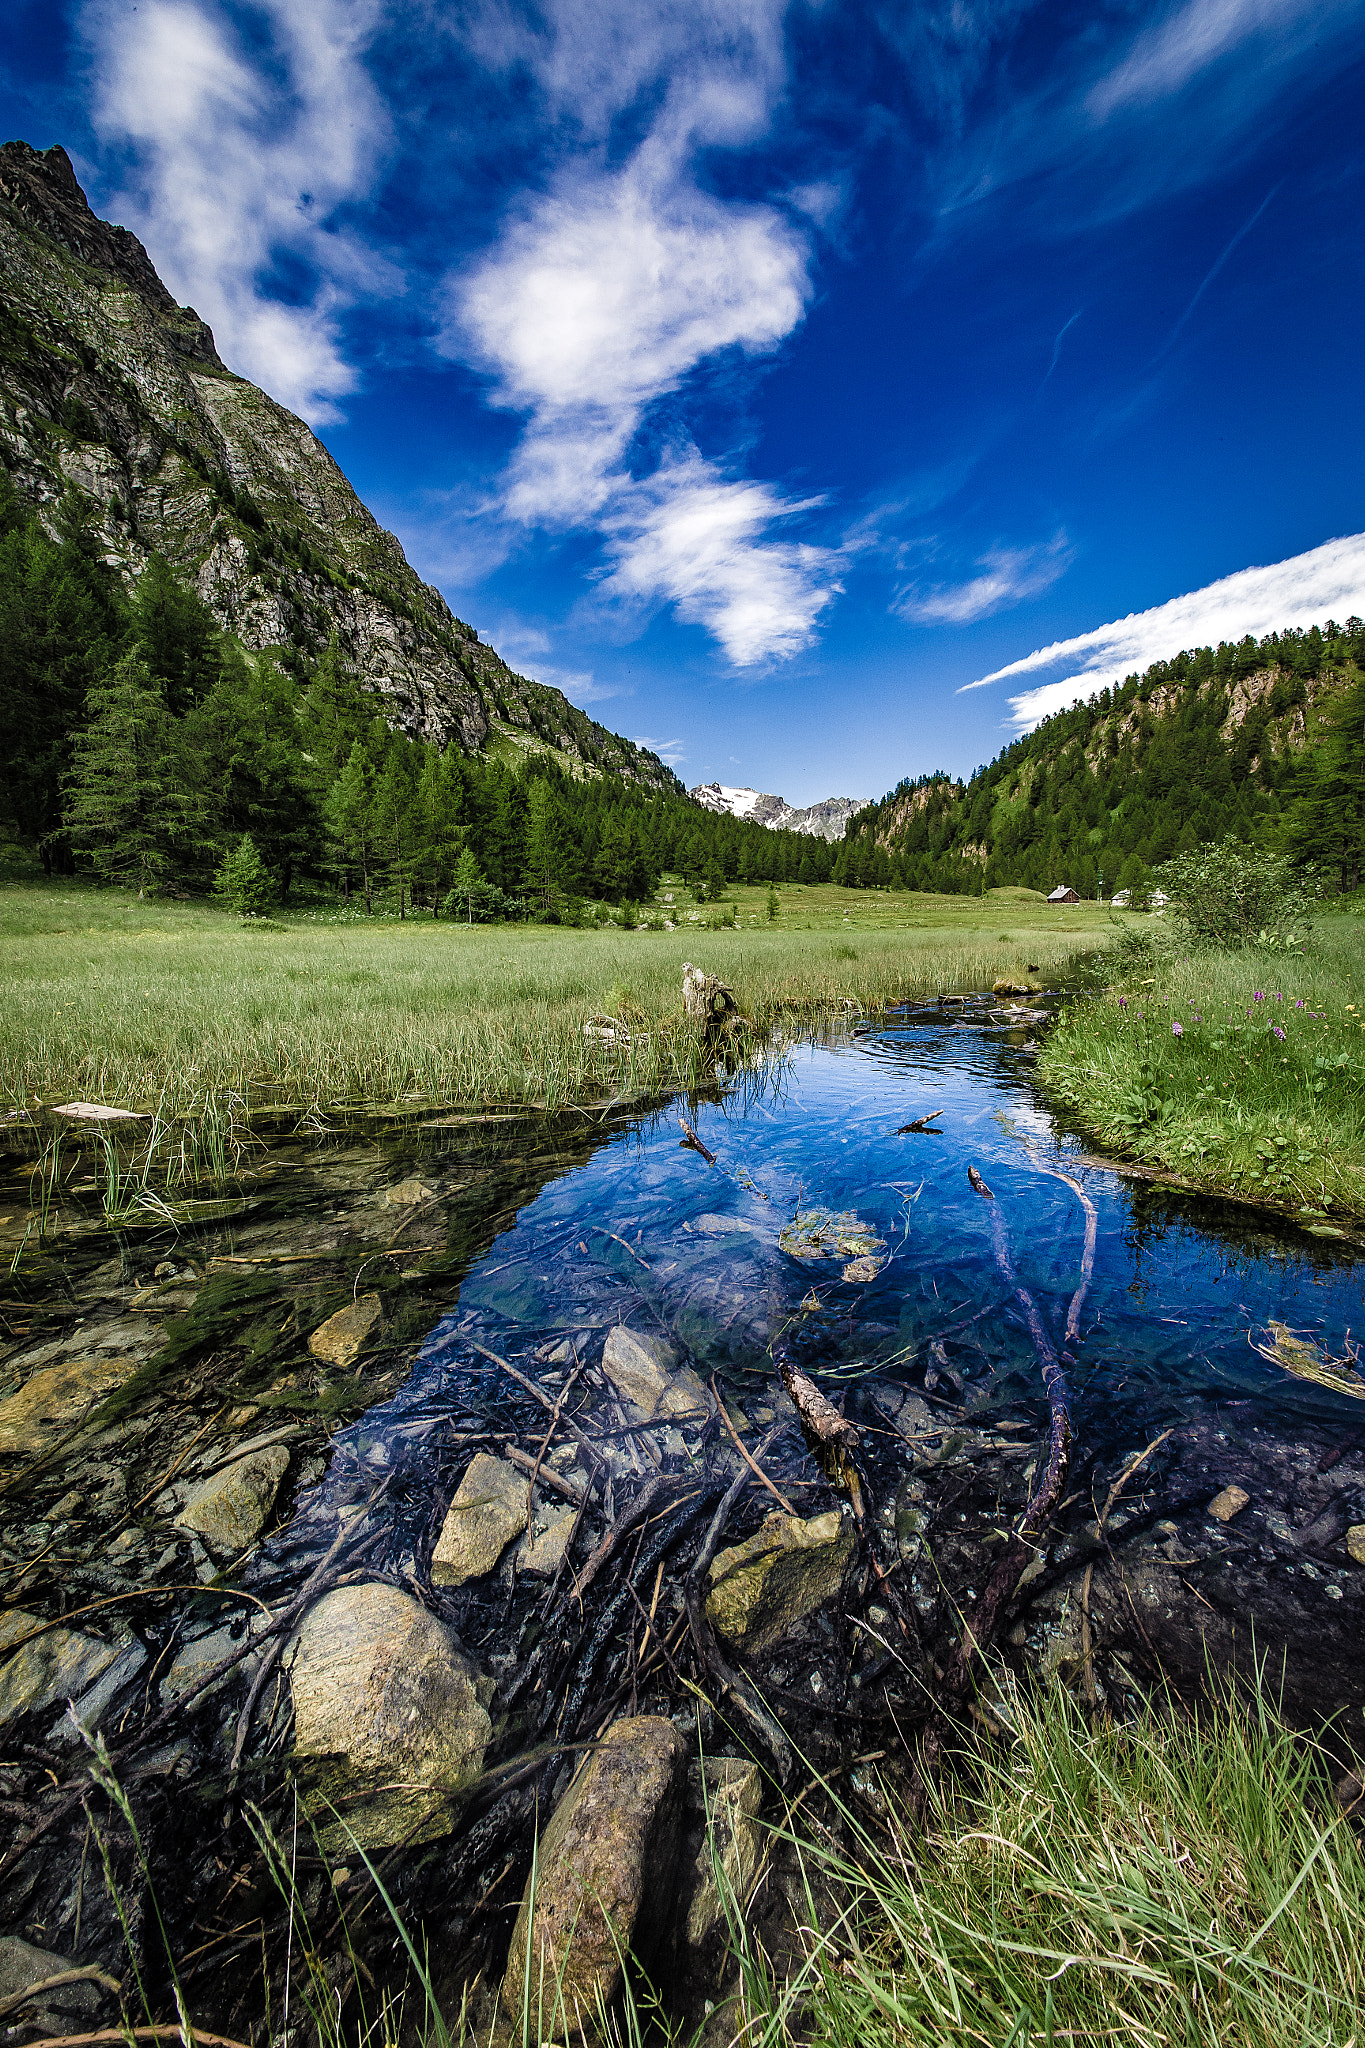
x,y
1007,576
1327,582
240,140
671,752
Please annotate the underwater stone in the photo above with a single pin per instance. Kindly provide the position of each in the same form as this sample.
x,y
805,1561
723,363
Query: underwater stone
x,y
58,1397
383,1693
64,2010
341,1339
646,1373
604,1877
406,1194
547,1538
761,1589
488,1510
63,1664
1228,1503
229,1508
1355,1543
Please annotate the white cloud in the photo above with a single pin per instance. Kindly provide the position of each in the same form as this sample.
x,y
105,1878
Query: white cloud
x,y
1165,58
239,162
695,537
1327,582
607,292
1008,576
669,751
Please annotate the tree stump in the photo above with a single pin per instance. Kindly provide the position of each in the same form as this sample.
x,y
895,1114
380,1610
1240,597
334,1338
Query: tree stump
x,y
706,999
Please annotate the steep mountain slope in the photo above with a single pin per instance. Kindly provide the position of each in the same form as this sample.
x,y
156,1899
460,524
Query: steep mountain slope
x,y
108,385
1216,740
825,820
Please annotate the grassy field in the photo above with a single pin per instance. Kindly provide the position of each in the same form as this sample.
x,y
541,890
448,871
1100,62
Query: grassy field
x,y
1243,1072
182,1006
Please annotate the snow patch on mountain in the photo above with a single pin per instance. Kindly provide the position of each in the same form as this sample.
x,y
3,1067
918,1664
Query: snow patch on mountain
x,y
824,820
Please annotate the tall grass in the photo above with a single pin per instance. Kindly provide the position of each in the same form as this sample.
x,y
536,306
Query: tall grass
x,y
181,1009
1241,1071
1185,1881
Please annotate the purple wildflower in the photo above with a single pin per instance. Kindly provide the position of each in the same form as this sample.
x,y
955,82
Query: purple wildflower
x,y
1177,1030
1278,1030
1123,1002
1300,1004
1258,995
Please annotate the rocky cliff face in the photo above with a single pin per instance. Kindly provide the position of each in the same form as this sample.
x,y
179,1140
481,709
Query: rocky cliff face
x,y
106,383
825,820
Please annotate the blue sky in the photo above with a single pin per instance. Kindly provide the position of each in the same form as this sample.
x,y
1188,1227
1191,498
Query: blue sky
x,y
765,375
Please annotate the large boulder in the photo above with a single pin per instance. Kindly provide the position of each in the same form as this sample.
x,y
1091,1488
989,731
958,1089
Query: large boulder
x,y
761,1589
603,1883
392,1711
229,1508
489,1509
646,1374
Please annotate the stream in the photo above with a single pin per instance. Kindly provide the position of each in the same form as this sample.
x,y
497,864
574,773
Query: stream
x,y
361,1313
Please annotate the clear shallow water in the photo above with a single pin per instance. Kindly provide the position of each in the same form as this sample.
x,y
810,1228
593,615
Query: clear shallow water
x,y
647,1233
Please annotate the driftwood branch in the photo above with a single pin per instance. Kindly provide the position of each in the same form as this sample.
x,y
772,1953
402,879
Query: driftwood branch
x,y
830,1436
689,1141
980,1630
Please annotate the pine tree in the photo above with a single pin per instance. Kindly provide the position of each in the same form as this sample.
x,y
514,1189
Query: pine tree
x,y
544,842
350,813
244,881
467,882
126,800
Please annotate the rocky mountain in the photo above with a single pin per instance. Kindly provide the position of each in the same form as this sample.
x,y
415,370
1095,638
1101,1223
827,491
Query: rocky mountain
x,y
825,820
108,385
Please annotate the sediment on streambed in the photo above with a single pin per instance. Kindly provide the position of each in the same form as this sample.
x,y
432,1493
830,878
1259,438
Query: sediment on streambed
x,y
468,1480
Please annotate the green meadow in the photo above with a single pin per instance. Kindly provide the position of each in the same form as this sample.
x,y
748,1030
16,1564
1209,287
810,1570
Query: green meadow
x,y
182,1006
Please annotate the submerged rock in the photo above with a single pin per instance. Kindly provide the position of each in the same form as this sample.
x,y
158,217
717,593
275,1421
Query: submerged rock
x,y
1355,1543
386,1700
646,1374
341,1339
488,1510
406,1194
603,1882
66,2009
60,1665
547,1538
1228,1503
229,1508
762,1588
58,1397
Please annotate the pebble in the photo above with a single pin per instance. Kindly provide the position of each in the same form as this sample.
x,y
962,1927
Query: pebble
x,y
341,1339
488,1511
1228,1503
1355,1543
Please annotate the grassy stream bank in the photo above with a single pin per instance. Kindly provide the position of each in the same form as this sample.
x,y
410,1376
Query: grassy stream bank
x,y
1241,1072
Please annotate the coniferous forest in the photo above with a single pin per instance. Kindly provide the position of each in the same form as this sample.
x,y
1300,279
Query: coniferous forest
x,y
144,746
1263,740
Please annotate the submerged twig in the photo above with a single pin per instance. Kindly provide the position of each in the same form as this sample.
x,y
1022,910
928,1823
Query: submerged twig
x,y
691,1142
753,1465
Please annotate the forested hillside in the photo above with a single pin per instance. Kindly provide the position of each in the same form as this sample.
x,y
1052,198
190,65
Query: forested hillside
x,y
1262,739
143,744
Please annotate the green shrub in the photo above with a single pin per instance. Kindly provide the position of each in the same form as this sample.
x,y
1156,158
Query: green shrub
x,y
1234,895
